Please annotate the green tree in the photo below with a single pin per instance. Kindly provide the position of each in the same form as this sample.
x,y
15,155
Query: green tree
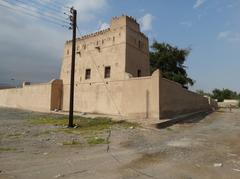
x,y
170,60
220,95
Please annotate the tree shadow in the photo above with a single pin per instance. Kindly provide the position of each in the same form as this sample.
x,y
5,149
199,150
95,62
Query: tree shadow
x,y
194,118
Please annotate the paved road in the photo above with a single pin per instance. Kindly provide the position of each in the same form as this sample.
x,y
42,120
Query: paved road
x,y
201,147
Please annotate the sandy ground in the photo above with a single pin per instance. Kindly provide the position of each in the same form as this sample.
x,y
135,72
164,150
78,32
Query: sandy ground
x,y
203,146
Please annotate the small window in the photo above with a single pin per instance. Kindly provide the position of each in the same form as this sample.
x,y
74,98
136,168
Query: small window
x,y
139,73
107,72
67,52
88,74
113,39
139,44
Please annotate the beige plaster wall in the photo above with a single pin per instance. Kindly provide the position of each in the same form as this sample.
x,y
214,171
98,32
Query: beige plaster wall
x,y
117,47
95,52
40,97
175,100
140,97
94,97
137,53
133,97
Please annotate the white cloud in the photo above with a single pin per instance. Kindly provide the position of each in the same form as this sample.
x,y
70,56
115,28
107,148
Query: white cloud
x,y
229,36
103,26
146,22
224,34
87,9
186,23
30,49
198,3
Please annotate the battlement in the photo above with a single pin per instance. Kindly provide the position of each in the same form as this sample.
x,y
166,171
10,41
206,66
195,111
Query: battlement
x,y
125,20
128,21
116,22
131,18
94,34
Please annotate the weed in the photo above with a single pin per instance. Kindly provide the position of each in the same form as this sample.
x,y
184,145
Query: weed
x,y
96,140
47,132
48,120
73,142
83,124
2,149
14,135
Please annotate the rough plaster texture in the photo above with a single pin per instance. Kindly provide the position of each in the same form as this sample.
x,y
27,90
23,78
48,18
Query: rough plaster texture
x,y
40,97
122,47
134,97
176,100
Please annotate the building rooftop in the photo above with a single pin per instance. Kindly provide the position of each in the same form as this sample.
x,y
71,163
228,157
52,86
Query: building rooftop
x,y
108,29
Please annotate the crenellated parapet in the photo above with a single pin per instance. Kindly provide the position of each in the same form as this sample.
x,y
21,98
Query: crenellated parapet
x,y
94,34
116,23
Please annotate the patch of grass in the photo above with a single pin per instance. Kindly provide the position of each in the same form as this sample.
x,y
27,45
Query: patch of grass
x,y
73,142
84,125
43,120
47,132
169,129
7,149
126,124
14,135
96,140
1,135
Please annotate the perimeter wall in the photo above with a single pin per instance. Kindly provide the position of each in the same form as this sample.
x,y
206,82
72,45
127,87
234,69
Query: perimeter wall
x,y
132,97
176,100
144,97
38,97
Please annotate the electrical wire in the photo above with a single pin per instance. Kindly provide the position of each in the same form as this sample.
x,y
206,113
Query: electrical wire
x,y
30,14
22,5
55,3
46,6
40,14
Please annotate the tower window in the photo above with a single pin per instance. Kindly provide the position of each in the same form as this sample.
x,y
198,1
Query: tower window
x,y
88,74
139,73
107,72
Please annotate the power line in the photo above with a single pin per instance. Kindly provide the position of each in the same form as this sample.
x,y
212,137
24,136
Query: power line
x,y
32,15
56,4
54,16
46,16
49,6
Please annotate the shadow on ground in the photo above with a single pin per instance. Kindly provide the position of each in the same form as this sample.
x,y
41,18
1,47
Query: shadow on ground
x,y
194,118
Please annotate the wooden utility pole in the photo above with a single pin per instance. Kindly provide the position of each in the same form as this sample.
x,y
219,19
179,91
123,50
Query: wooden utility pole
x,y
73,19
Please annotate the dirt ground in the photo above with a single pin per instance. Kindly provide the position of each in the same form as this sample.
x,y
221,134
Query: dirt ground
x,y
203,146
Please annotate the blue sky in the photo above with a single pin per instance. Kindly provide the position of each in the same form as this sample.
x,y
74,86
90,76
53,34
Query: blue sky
x,y
210,28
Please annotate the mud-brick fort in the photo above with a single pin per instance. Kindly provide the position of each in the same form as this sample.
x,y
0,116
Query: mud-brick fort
x,y
112,77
